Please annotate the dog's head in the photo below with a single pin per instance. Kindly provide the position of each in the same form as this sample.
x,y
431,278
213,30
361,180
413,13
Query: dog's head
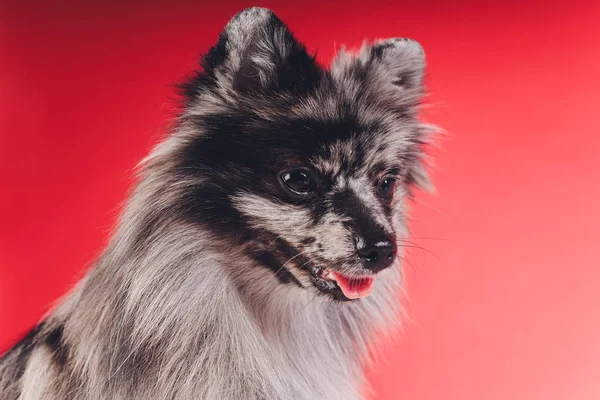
x,y
306,169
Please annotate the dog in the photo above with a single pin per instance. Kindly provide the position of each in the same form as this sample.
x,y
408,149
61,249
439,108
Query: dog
x,y
258,255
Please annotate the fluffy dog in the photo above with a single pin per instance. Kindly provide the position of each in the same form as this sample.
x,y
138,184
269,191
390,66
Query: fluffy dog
x,y
257,256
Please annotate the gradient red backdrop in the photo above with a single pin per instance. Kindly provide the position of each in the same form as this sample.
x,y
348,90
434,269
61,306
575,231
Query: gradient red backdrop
x,y
505,302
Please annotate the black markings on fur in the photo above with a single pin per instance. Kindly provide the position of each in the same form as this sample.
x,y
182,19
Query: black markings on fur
x,y
22,350
59,348
237,152
379,50
298,72
247,79
361,221
240,154
308,240
295,70
274,254
284,276
211,206
318,209
205,79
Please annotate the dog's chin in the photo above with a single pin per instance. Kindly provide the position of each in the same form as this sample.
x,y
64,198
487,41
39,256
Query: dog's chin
x,y
341,287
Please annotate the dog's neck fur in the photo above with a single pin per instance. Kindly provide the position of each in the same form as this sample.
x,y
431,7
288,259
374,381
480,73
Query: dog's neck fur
x,y
183,320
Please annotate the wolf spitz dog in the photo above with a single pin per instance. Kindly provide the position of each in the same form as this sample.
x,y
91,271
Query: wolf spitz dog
x,y
259,253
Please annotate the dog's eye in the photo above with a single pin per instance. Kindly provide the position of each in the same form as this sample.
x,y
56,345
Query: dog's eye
x,y
298,181
385,188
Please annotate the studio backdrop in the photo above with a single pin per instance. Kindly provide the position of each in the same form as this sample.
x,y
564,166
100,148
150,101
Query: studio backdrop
x,y
502,296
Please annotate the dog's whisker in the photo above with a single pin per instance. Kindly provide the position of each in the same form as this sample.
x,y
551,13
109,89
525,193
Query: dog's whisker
x,y
291,259
409,244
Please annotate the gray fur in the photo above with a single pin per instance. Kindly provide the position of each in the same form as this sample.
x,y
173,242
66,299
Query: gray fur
x,y
171,311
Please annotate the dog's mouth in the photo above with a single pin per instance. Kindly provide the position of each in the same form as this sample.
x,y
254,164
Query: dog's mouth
x,y
337,285
341,286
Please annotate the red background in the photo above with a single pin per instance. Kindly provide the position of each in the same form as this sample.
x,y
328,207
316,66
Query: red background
x,y
504,304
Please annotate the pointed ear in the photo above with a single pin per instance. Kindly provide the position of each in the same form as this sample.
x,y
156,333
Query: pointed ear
x,y
400,60
257,53
392,69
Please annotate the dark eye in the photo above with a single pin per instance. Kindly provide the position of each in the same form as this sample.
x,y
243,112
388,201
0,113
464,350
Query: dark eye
x,y
385,188
298,181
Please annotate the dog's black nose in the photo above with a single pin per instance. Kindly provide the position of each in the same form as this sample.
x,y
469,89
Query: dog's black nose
x,y
377,254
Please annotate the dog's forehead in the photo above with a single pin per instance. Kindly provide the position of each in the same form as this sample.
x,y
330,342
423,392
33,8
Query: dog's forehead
x,y
361,136
362,154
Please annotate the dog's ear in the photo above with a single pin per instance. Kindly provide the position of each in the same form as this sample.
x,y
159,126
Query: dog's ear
x,y
388,74
400,61
391,69
257,53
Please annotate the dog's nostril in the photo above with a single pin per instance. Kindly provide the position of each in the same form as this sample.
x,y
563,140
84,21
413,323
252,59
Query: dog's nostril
x,y
376,254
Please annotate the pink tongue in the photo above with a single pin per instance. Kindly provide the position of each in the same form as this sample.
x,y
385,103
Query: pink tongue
x,y
353,287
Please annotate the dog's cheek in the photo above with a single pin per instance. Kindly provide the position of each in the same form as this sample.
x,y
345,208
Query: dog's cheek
x,y
334,241
286,222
